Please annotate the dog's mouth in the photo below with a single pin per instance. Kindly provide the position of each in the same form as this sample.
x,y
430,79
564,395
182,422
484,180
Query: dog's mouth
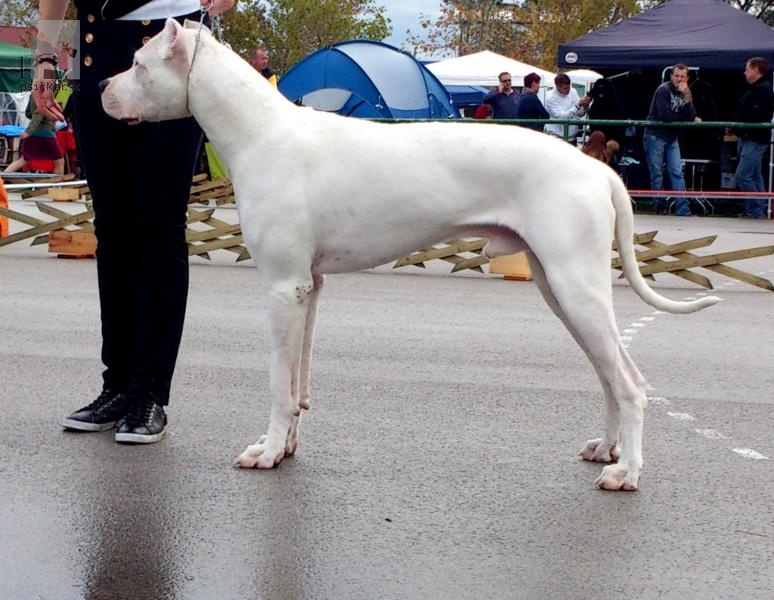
x,y
131,120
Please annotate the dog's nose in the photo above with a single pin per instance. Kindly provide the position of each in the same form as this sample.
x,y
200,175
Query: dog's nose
x,y
103,84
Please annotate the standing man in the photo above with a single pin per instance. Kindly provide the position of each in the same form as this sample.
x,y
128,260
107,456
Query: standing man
x,y
755,106
530,106
672,103
140,211
563,102
504,100
259,60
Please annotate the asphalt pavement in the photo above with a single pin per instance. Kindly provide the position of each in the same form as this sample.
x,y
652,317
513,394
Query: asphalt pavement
x,y
438,460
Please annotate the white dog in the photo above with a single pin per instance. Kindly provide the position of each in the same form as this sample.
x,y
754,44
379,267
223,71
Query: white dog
x,y
318,193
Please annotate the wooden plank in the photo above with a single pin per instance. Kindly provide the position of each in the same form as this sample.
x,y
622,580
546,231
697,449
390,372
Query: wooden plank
x,y
21,217
215,245
196,216
667,249
76,243
473,264
709,260
63,194
192,235
733,273
47,227
432,253
639,239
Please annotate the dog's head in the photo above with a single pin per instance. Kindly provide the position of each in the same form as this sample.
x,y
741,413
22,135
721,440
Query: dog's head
x,y
155,88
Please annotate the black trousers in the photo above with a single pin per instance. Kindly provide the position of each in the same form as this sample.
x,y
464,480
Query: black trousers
x,y
140,177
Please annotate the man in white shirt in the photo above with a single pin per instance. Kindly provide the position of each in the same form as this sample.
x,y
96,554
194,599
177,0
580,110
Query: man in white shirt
x,y
563,103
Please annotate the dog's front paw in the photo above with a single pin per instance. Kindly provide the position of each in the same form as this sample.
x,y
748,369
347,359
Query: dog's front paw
x,y
263,455
596,451
619,477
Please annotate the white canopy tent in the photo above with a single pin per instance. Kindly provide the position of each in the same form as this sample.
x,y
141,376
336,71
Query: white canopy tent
x,y
583,78
482,68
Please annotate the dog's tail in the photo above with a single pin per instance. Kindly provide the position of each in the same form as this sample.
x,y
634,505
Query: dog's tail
x,y
624,233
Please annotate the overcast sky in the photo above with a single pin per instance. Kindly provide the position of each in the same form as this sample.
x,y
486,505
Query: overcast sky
x,y
405,15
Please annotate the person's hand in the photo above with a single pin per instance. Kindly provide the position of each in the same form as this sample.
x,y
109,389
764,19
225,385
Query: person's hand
x,y
585,101
697,120
217,7
43,93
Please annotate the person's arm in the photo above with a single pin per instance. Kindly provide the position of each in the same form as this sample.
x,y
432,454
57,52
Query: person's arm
x,y
35,121
557,111
540,109
50,18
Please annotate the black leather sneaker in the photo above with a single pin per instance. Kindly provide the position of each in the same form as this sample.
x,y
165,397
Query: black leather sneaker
x,y
102,414
145,423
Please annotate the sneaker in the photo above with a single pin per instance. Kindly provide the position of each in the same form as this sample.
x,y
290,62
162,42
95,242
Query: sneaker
x,y
144,424
102,414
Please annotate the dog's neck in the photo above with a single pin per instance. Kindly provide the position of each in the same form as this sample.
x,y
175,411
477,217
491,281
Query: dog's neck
x,y
234,105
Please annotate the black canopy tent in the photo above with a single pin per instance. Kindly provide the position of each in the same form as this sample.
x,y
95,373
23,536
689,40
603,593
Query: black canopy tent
x,y
709,34
712,37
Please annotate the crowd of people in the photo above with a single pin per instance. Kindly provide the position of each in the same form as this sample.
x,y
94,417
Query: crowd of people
x,y
672,103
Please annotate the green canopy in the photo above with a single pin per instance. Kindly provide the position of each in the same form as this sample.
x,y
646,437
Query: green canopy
x,y
15,68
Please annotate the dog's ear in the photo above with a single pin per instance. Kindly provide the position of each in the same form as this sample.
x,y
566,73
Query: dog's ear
x,y
173,38
189,24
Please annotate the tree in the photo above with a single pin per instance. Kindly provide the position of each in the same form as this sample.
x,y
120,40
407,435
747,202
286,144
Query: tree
x,y
529,29
553,22
291,29
532,30
467,26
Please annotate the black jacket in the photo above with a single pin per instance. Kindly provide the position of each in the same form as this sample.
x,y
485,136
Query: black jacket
x,y
755,106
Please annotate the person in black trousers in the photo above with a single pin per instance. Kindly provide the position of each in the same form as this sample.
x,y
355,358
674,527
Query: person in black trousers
x,y
140,177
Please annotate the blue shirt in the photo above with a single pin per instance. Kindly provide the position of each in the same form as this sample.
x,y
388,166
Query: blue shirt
x,y
503,105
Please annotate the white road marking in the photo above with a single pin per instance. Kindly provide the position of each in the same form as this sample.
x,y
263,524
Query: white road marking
x,y
749,453
679,416
711,434
658,400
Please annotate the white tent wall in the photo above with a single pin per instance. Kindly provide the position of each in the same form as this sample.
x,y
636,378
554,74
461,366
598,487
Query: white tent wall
x,y
584,78
482,68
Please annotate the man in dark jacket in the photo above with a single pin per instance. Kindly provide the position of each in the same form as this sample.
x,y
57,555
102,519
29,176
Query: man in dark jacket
x,y
530,106
755,106
672,102
504,100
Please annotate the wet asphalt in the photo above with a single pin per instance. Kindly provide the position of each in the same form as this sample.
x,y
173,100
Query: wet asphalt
x,y
438,460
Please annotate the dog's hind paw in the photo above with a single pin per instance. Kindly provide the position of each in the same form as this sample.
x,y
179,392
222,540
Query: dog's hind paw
x,y
618,477
595,451
260,456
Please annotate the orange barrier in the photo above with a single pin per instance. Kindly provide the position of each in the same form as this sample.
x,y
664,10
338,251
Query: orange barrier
x,y
4,226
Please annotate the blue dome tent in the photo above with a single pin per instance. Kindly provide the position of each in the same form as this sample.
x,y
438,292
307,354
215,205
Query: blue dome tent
x,y
367,79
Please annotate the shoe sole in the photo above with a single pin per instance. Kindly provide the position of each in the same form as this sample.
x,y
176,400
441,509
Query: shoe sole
x,y
83,426
138,438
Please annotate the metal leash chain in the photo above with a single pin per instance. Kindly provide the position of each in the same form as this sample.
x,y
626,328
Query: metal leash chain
x,y
202,14
216,28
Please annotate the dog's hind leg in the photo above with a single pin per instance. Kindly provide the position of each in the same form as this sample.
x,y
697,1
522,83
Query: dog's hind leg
x,y
300,384
583,293
602,449
289,301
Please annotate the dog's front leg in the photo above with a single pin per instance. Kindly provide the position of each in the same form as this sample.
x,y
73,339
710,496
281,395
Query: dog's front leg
x,y
306,359
288,307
